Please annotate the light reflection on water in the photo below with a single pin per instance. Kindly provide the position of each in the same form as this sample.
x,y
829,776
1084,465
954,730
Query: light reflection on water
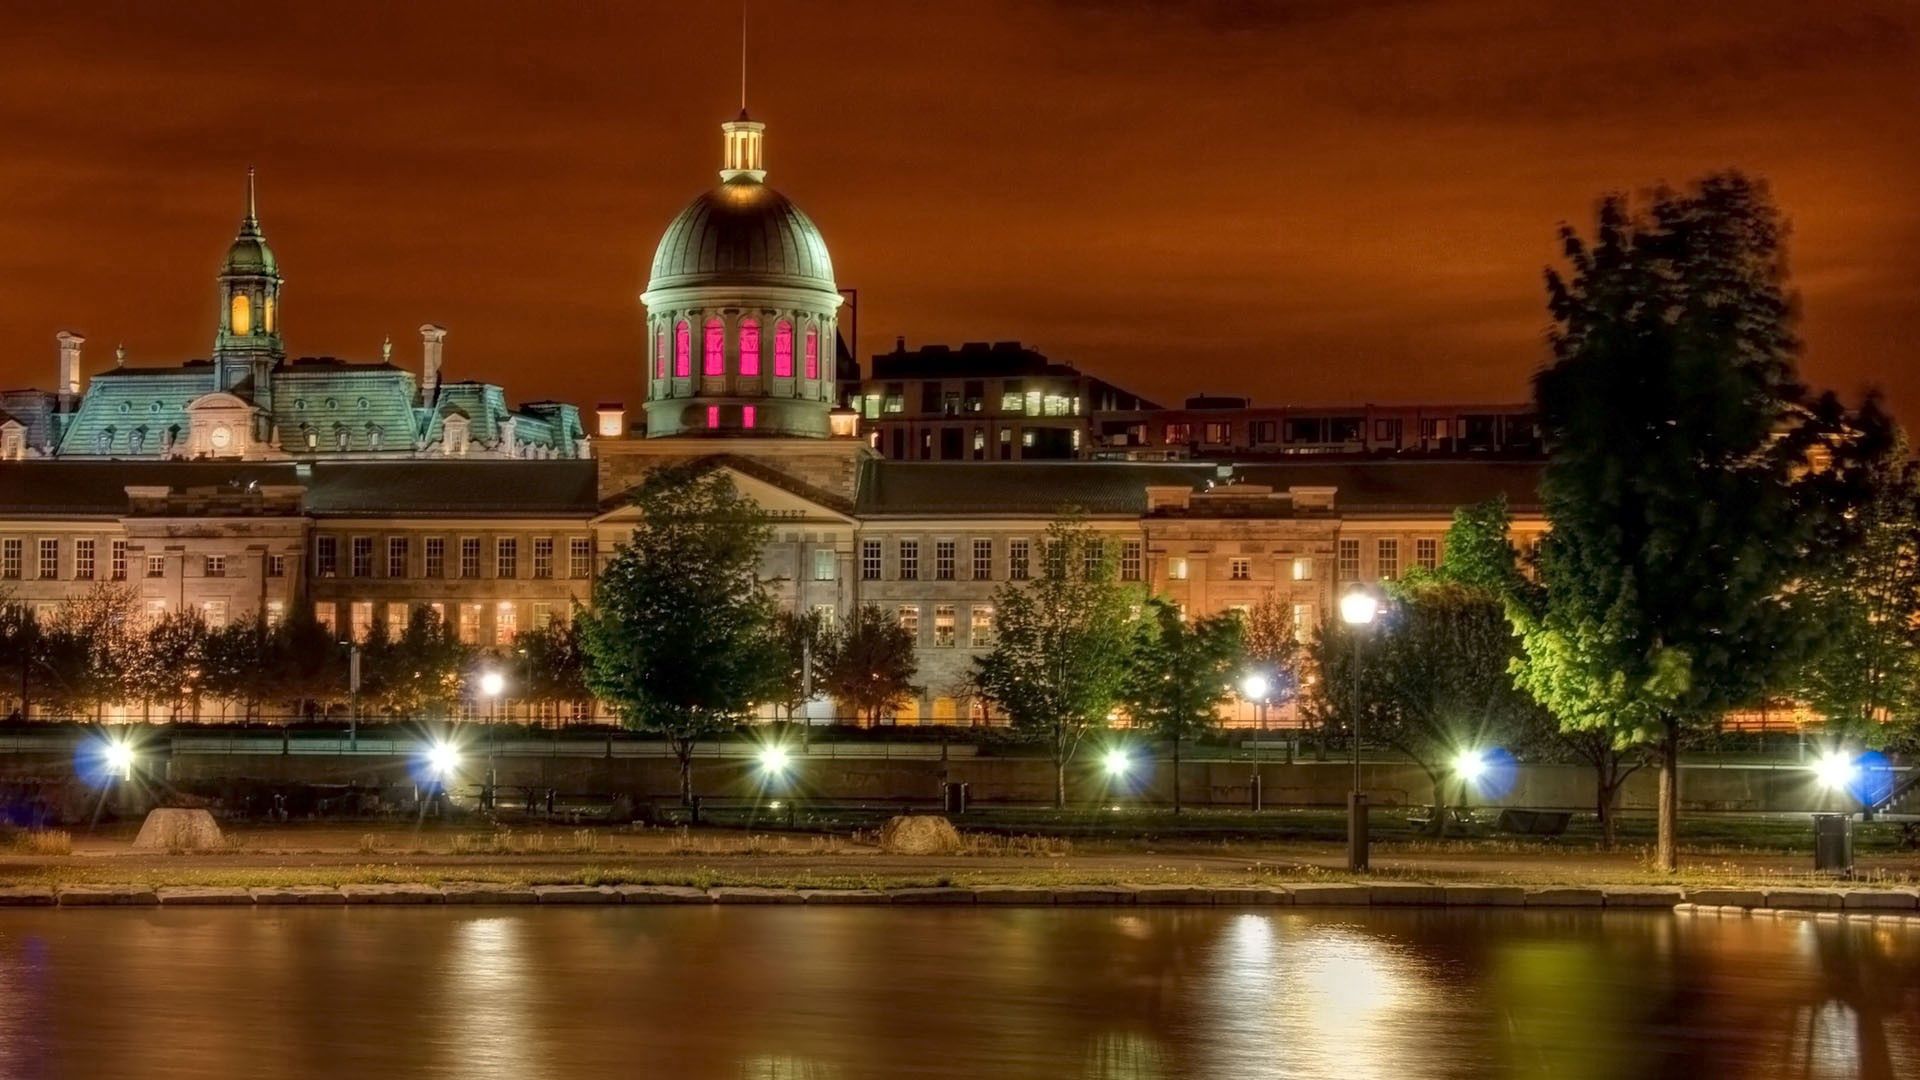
x,y
850,993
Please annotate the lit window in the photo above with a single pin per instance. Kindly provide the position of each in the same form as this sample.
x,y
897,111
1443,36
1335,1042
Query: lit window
x,y
276,613
749,348
909,615
1389,552
813,353
242,319
1303,569
660,355
213,613
943,627
362,619
713,417
1177,568
981,629
746,416
682,350
823,564
715,362
783,350
470,624
396,621
506,623
1303,623
266,314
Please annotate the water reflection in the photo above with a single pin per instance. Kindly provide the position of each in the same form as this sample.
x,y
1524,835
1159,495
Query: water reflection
x,y
847,994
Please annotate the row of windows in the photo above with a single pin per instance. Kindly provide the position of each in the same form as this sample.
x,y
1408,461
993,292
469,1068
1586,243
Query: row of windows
x,y
356,618
1239,568
396,558
86,565
979,559
1386,556
747,350
946,625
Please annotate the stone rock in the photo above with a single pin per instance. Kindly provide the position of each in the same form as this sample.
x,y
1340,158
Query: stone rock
x,y
174,829
662,894
1565,896
484,892
392,894
1740,898
106,895
1803,899
919,834
843,896
26,896
298,894
1880,900
204,895
1328,892
1251,895
1008,895
576,894
1171,895
1485,896
753,894
930,896
1406,894
1644,896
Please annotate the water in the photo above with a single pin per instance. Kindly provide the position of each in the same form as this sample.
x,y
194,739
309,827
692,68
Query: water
x,y
770,993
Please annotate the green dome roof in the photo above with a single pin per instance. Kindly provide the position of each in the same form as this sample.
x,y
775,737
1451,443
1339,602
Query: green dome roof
x,y
742,233
250,255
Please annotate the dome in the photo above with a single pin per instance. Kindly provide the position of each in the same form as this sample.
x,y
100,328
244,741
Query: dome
x,y
742,233
250,255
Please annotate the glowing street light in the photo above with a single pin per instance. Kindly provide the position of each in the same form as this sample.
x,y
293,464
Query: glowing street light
x,y
1118,763
1254,686
443,758
774,760
119,757
1358,607
1837,771
1470,766
492,684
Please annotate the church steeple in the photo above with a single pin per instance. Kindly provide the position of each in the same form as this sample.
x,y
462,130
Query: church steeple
x,y
248,342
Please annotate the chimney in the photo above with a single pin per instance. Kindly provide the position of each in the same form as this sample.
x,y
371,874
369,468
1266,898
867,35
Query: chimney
x,y
70,343
431,339
613,420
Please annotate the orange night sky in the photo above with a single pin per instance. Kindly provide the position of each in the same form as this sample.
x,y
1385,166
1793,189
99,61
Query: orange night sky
x,y
1305,202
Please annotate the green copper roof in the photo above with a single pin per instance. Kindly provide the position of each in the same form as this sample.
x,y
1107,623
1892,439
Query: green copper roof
x,y
742,233
318,402
249,253
130,411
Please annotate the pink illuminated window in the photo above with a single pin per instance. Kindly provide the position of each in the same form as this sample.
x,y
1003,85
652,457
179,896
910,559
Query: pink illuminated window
x,y
716,349
682,350
660,355
783,350
713,416
749,348
746,416
813,353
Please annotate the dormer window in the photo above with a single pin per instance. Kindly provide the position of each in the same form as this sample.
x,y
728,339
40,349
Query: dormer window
x,y
373,437
103,442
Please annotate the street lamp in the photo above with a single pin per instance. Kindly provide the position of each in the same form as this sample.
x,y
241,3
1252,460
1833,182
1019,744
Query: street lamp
x,y
1357,609
1837,771
1118,763
774,761
1255,687
443,759
119,758
492,684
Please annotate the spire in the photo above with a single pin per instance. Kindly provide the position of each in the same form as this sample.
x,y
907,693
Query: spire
x,y
743,158
250,225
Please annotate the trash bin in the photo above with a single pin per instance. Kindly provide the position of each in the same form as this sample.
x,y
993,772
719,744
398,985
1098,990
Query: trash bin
x,y
1833,843
954,796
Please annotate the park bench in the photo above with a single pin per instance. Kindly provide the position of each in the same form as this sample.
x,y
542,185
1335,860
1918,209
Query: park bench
x,y
1534,822
1422,817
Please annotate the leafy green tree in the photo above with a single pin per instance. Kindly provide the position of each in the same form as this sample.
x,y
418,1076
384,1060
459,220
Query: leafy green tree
x,y
871,664
1271,647
1434,678
309,663
21,648
555,664
1864,675
170,666
89,651
679,639
1180,673
239,659
1674,489
1061,645
806,640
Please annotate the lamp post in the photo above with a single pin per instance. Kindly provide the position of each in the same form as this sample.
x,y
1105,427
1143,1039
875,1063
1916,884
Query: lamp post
x,y
1255,687
1357,609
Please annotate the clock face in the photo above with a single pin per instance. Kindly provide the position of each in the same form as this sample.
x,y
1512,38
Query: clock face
x,y
221,437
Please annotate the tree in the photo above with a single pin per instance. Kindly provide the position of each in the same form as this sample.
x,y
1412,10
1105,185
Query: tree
x,y
90,649
1434,678
1061,644
1864,676
1480,556
1675,488
21,647
871,664
679,639
1180,673
1271,647
239,659
806,642
170,666
556,663
309,664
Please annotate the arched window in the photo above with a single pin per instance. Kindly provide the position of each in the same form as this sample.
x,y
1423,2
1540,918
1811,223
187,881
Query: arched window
x,y
240,320
660,355
682,350
783,350
813,353
749,347
266,314
715,349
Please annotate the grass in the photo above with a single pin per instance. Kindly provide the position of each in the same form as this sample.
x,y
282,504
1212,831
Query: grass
x,y
35,841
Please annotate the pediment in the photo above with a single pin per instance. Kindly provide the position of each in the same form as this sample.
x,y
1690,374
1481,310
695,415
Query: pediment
x,y
782,503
